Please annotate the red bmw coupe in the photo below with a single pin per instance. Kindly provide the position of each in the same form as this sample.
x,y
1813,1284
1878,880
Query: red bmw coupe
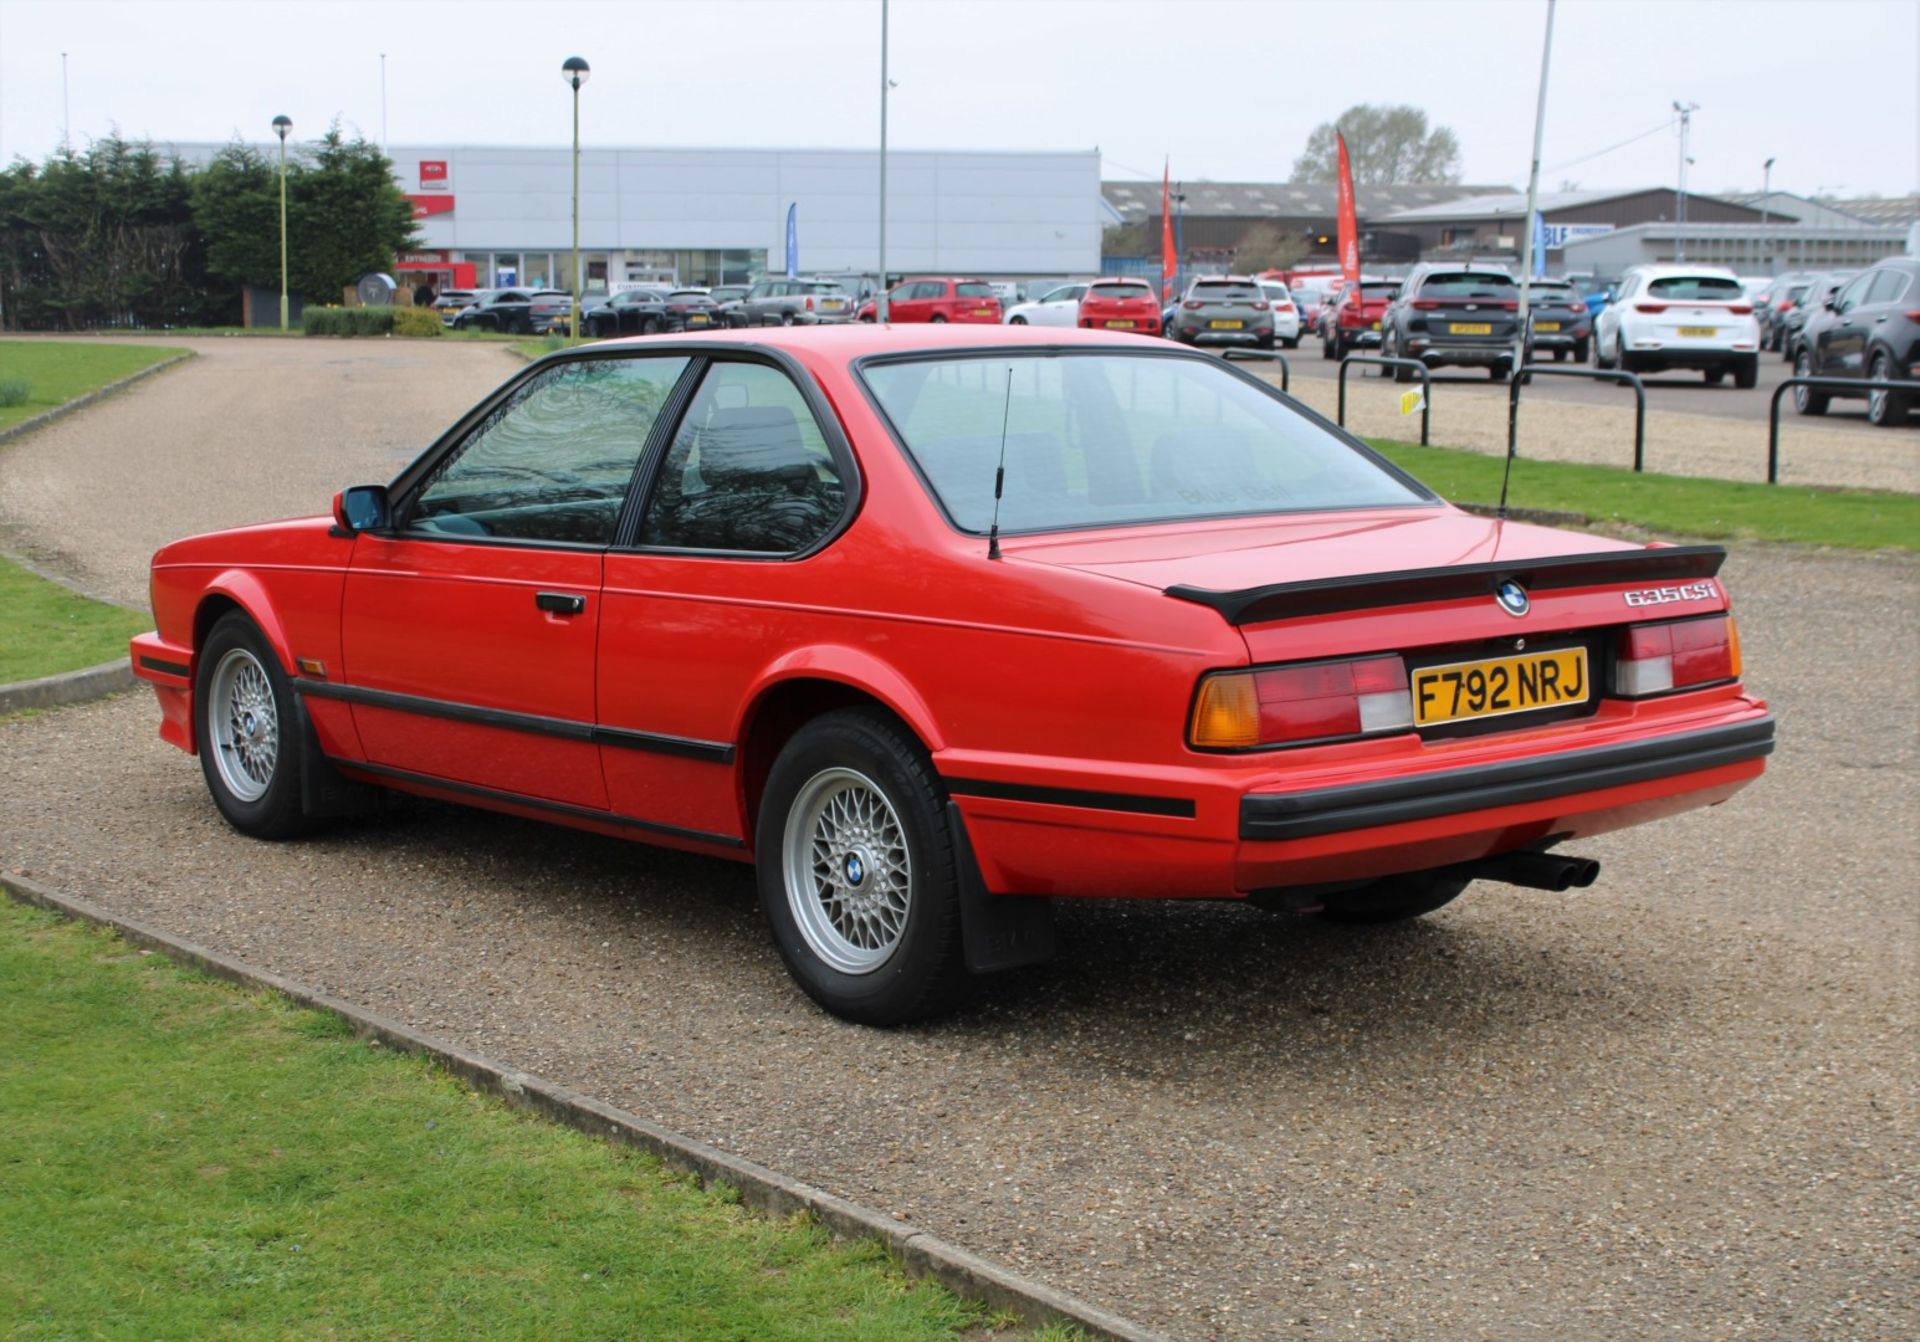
x,y
933,624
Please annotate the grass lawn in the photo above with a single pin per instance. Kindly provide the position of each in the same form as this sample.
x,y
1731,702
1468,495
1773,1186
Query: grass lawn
x,y
182,1160
1675,505
59,370
45,629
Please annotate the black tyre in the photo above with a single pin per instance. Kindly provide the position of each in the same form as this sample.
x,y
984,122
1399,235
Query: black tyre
x,y
1807,400
1394,899
1329,349
786,319
1714,376
1560,356
1885,409
1746,373
1500,372
937,317
1291,344
1601,359
248,731
1016,321
858,873
1580,351
650,326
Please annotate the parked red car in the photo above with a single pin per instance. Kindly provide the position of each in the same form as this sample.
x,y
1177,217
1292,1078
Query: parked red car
x,y
1352,316
932,625
936,300
1121,305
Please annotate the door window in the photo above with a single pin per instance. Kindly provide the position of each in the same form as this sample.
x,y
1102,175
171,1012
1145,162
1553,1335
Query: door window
x,y
749,469
1888,286
1849,298
552,462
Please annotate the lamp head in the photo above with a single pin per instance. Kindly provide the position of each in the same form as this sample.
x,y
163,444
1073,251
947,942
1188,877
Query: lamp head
x,y
281,125
574,70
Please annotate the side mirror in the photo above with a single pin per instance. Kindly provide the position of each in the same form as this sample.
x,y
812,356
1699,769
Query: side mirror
x,y
1831,303
361,508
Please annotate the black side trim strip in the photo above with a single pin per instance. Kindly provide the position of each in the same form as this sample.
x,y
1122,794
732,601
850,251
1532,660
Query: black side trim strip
x,y
180,669
1133,803
1299,815
714,752
477,792
1361,591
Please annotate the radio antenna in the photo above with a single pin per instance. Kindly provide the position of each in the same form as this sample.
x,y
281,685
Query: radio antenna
x,y
1000,471
1513,428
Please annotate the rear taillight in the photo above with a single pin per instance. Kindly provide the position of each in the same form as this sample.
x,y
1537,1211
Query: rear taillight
x,y
1260,306
1657,658
1511,305
1912,314
1313,701
1191,305
809,305
1786,305
1283,307
1649,307
1741,309
1425,305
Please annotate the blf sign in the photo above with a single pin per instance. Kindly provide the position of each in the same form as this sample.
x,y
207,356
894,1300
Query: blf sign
x,y
433,174
1555,236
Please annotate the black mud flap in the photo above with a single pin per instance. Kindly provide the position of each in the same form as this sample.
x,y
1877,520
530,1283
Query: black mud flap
x,y
999,931
325,794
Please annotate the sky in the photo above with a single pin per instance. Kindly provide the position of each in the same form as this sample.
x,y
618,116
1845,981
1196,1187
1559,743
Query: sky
x,y
1223,89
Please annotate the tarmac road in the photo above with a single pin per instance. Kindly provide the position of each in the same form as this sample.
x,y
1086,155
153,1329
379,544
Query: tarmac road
x,y
1680,1105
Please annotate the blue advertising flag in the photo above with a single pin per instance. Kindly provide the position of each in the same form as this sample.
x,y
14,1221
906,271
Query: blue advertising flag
x,y
793,242
1539,245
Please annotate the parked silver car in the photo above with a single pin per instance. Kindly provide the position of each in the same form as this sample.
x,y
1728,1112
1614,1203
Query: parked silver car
x,y
785,302
1224,310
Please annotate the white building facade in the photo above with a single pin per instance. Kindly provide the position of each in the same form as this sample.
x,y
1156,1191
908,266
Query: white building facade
x,y
712,216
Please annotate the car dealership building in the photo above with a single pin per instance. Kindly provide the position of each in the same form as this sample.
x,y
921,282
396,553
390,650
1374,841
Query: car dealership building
x,y
712,216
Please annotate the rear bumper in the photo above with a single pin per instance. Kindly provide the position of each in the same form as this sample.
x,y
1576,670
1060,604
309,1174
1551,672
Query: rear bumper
x,y
1436,352
1273,823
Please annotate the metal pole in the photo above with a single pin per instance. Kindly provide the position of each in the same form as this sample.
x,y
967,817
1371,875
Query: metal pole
x,y
283,230
1766,199
1179,240
1533,195
574,315
66,109
880,299
1686,111
383,100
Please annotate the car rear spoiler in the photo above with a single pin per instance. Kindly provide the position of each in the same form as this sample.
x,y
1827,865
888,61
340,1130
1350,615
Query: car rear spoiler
x,y
1363,591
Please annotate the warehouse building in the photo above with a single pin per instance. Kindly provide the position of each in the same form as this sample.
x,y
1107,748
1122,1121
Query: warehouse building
x,y
1496,225
712,216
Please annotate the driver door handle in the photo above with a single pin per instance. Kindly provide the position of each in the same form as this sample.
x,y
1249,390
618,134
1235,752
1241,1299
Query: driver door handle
x,y
560,603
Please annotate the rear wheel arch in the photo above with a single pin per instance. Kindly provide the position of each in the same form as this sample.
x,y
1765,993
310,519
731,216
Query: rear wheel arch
x,y
780,709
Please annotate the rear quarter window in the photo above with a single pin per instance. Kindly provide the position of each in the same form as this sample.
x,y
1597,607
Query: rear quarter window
x,y
1705,288
974,289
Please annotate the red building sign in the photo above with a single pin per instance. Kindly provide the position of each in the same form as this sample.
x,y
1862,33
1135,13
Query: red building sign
x,y
433,174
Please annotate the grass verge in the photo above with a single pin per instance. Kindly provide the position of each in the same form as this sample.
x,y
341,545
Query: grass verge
x,y
183,1160
540,345
1678,505
57,371
46,629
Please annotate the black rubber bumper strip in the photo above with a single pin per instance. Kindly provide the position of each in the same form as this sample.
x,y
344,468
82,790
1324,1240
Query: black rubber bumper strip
x,y
165,668
1129,802
1300,815
713,752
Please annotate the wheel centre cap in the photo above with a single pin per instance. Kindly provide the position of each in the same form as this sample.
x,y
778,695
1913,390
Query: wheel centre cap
x,y
855,867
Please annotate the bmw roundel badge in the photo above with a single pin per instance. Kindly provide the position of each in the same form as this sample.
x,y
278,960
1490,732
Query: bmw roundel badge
x,y
1512,598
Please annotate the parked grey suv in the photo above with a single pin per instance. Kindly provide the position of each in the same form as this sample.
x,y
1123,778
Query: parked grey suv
x,y
1450,313
1869,330
785,302
1224,310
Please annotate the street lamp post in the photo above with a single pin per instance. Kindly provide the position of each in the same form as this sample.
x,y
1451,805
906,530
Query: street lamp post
x,y
281,125
1766,200
574,71
880,309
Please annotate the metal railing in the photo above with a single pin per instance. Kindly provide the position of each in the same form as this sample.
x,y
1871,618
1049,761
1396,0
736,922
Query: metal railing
x,y
1526,372
1286,370
1837,384
1381,361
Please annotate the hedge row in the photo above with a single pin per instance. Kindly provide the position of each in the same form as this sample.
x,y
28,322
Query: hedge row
x,y
370,322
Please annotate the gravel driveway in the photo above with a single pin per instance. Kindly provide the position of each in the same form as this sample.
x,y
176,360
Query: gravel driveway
x,y
1680,1105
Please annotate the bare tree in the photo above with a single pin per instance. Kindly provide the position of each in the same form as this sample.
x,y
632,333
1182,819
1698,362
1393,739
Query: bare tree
x,y
1386,145
1267,247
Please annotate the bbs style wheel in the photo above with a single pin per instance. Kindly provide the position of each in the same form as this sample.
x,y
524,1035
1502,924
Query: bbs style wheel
x,y
1885,409
857,871
248,733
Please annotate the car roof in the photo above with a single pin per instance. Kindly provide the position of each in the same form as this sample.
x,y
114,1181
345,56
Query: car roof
x,y
853,340
1671,270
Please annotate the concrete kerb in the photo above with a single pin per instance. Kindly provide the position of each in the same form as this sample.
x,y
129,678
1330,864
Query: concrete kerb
x,y
766,1190
47,417
69,687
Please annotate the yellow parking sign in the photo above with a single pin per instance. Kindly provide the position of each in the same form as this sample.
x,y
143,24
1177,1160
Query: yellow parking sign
x,y
1413,402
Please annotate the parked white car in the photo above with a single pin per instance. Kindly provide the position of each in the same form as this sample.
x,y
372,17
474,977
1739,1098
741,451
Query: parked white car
x,y
1676,316
1286,313
1056,307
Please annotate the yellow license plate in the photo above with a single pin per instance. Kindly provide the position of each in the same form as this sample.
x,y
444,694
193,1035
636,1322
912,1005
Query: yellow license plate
x,y
1226,326
1700,332
1499,685
1470,328
1376,326
1116,325
696,319
1546,326
983,312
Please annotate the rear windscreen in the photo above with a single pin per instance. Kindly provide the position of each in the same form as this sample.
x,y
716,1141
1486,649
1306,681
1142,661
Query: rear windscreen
x,y
1113,291
1699,288
1241,293
1467,285
974,289
826,289
1379,290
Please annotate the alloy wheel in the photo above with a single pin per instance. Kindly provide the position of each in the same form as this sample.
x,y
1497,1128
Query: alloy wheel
x,y
848,874
245,724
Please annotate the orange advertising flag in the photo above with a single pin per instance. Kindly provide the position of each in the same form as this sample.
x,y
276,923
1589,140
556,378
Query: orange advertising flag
x,y
1169,263
1349,234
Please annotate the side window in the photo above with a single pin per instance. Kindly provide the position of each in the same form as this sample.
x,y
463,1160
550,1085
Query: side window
x,y
554,461
749,469
1850,297
1888,286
